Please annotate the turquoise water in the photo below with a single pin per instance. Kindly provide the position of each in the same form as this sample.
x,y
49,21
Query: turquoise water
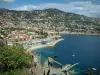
x,y
76,48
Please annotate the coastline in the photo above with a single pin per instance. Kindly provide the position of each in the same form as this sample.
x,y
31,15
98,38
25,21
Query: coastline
x,y
77,33
51,44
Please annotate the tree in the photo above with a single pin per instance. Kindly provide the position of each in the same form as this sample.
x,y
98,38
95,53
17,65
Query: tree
x,y
14,57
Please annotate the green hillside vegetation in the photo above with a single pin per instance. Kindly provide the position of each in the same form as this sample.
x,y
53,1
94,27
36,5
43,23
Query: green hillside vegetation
x,y
13,60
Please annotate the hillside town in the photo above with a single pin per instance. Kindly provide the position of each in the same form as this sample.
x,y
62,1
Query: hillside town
x,y
38,26
30,38
49,20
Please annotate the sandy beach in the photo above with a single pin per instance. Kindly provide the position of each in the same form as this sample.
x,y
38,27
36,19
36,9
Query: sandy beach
x,y
51,44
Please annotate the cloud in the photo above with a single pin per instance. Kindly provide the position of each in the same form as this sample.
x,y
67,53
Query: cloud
x,y
6,1
80,7
26,7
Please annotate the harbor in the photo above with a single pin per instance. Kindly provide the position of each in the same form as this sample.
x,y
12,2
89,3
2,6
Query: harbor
x,y
74,54
43,44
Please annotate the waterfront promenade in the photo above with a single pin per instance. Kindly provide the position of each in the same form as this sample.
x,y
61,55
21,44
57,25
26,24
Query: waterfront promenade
x,y
51,44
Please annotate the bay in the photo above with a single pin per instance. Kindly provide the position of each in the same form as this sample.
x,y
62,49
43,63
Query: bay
x,y
76,48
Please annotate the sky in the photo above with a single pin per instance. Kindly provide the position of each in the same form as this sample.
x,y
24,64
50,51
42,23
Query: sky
x,y
89,8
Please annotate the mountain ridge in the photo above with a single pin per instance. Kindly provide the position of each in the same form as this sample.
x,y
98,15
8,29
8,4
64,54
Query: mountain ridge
x,y
49,18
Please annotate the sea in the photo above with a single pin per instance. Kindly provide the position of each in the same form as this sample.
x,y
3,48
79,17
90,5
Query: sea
x,y
84,49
